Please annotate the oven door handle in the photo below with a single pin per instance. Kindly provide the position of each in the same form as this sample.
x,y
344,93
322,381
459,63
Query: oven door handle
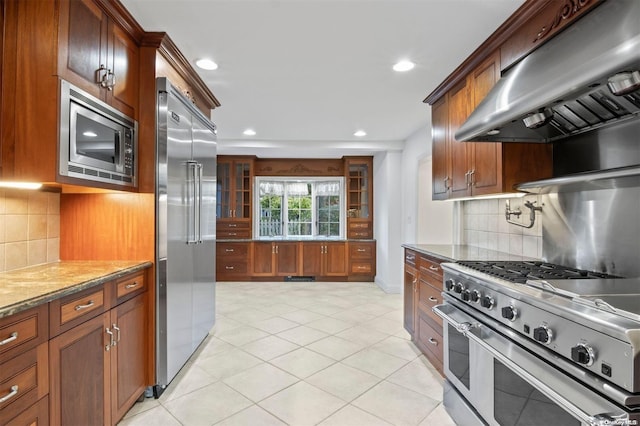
x,y
471,331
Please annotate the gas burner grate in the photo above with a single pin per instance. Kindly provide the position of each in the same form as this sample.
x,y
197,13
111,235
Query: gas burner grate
x,y
520,272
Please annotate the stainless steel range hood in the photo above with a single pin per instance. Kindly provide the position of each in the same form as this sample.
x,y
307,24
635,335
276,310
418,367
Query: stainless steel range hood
x,y
567,86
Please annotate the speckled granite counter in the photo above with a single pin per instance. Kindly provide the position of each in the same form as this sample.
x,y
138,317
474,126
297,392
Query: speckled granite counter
x,y
454,253
24,288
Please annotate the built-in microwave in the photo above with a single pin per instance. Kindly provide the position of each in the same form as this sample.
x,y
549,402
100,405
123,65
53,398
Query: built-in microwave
x,y
97,142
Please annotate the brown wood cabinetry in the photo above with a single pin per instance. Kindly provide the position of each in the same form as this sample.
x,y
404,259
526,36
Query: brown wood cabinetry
x,y
362,260
232,260
97,55
24,366
98,357
423,288
275,259
324,259
359,190
462,169
234,197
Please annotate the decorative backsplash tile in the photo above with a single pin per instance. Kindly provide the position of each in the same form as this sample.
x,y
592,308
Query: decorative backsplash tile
x,y
484,225
29,228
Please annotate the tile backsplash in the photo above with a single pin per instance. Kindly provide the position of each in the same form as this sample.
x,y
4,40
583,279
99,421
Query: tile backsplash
x,y
484,225
29,228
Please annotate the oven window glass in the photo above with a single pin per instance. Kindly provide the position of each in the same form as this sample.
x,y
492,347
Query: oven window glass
x,y
459,355
517,403
95,140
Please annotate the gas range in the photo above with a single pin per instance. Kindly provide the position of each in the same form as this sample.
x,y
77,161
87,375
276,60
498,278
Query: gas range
x,y
590,319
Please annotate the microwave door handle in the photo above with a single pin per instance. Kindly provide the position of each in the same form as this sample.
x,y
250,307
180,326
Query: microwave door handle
x,y
118,154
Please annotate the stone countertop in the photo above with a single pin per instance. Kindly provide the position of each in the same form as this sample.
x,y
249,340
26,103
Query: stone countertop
x,y
24,288
294,240
455,253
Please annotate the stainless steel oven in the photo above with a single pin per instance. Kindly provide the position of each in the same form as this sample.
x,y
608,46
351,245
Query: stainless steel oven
x,y
497,374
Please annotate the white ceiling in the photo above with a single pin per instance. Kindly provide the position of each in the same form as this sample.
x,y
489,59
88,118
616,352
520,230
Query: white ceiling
x,y
306,74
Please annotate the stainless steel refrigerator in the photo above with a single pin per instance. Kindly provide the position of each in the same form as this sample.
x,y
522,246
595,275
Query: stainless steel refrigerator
x,y
185,230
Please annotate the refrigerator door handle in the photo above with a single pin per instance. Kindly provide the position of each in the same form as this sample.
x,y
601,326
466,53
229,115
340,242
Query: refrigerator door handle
x,y
192,215
199,168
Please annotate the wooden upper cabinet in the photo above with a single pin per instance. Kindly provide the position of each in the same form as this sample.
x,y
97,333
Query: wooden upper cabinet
x,y
459,152
97,55
359,183
234,197
439,148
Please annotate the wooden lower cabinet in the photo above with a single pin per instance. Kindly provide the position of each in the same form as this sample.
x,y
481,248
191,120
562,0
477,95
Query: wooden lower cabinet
x,y
36,415
322,259
232,260
422,291
272,259
97,368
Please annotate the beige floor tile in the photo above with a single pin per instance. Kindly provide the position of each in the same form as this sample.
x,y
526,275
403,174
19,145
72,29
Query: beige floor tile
x,y
224,323
269,347
302,335
302,316
419,378
396,404
208,405
335,347
386,325
241,335
189,379
261,381
279,308
274,325
363,335
158,415
396,346
353,316
252,416
302,404
330,325
375,362
249,315
227,363
211,346
347,383
324,308
302,362
373,309
140,407
438,417
353,416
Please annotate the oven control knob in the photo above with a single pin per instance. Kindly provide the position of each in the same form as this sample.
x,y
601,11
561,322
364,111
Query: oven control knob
x,y
487,302
466,295
458,288
448,284
510,313
583,354
475,296
543,334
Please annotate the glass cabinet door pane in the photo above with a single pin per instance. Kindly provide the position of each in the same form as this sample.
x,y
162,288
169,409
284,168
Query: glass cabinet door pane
x,y
242,190
358,191
223,196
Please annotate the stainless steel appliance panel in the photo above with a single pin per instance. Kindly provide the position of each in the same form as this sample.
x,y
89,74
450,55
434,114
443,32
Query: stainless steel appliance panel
x,y
185,230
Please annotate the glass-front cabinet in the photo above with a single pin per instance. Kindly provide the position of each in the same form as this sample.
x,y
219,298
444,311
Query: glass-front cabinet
x,y
359,183
233,197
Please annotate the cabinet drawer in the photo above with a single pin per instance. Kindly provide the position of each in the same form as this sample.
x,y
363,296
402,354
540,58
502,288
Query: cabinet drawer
x,y
231,234
23,331
431,267
74,309
359,230
130,285
231,267
23,381
226,226
410,257
232,250
429,339
362,268
361,251
36,415
428,297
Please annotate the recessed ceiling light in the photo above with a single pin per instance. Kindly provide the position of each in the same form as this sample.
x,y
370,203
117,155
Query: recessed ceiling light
x,y
249,132
206,64
360,133
90,134
403,66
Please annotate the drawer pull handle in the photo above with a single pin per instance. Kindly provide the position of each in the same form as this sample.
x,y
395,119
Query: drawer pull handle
x,y
81,307
115,327
233,234
11,394
361,250
433,341
232,225
434,268
111,341
229,250
433,299
13,336
229,268
132,285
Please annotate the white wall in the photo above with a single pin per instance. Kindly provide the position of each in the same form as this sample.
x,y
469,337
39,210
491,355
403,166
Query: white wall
x,y
387,198
416,147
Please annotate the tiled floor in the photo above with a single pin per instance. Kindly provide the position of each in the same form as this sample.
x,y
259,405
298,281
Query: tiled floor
x,y
302,354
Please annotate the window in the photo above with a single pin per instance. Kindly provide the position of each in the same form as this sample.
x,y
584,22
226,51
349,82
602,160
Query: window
x,y
298,208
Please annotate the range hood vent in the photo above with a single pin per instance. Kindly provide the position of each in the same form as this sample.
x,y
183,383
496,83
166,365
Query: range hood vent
x,y
586,78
